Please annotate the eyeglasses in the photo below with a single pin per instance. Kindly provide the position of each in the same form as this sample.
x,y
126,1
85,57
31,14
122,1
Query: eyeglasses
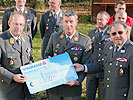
x,y
119,32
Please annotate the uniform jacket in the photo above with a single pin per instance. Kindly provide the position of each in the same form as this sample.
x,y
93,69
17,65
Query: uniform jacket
x,y
11,59
79,51
31,21
49,25
129,21
118,72
97,46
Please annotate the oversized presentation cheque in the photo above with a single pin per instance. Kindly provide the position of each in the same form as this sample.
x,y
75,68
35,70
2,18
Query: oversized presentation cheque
x,y
49,73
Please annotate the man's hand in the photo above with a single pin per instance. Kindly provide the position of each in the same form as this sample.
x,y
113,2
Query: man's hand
x,y
19,78
30,62
78,67
72,83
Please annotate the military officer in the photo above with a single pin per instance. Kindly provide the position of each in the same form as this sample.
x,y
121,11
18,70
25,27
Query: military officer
x,y
51,22
122,16
15,51
100,36
118,64
30,16
78,46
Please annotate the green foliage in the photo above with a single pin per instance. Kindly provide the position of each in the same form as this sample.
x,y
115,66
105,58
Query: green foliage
x,y
6,3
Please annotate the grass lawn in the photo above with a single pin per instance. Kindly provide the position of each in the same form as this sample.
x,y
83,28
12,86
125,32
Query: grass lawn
x,y
84,27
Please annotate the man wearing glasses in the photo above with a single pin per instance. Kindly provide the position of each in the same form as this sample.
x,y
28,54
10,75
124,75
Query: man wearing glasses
x,y
118,64
15,51
51,22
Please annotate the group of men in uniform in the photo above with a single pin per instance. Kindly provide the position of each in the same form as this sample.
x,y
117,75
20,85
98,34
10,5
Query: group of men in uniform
x,y
88,53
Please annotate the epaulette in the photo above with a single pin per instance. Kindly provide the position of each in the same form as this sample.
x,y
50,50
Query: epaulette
x,y
131,42
26,33
84,35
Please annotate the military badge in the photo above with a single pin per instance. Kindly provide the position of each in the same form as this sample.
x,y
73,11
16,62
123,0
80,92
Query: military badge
x,y
15,10
23,39
11,62
75,58
25,11
123,50
11,40
75,38
121,71
47,27
62,35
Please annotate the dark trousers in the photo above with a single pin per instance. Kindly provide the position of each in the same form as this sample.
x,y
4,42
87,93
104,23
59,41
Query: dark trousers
x,y
92,84
55,97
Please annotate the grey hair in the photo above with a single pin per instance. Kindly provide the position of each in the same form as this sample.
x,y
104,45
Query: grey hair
x,y
105,13
71,13
115,23
120,12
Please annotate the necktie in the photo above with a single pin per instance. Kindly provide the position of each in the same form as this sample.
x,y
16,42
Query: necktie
x,y
55,16
18,42
100,34
115,50
67,40
20,11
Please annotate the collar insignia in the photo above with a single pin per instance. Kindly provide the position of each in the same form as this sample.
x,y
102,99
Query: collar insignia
x,y
75,38
11,40
62,35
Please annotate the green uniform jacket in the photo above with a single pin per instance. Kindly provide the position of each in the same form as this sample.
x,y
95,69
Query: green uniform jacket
x,y
118,72
79,51
11,59
30,22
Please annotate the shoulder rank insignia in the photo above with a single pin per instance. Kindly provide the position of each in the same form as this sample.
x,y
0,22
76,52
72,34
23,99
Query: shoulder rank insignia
x,y
25,11
62,35
11,40
84,35
26,33
23,39
75,38
96,31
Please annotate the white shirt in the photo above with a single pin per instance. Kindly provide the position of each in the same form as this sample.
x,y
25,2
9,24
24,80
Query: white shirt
x,y
20,9
70,35
15,38
57,13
